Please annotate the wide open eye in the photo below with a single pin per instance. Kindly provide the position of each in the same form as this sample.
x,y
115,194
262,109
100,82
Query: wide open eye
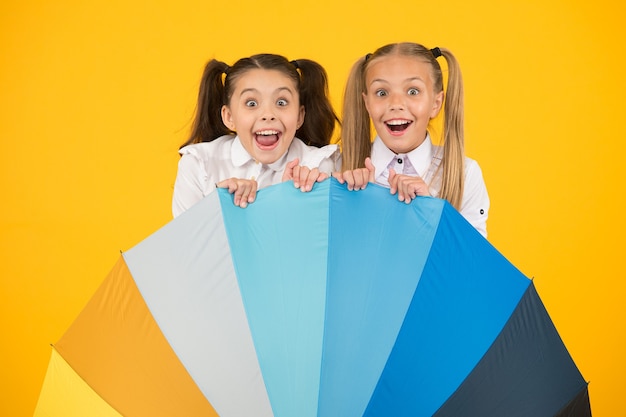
x,y
413,91
380,93
251,103
282,102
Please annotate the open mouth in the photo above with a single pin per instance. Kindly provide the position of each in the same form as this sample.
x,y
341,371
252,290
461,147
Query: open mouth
x,y
398,125
267,139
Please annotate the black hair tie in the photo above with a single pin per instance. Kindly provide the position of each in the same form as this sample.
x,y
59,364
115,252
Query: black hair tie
x,y
436,52
295,63
367,57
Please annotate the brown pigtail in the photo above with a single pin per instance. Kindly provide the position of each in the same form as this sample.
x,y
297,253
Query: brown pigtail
x,y
319,118
207,124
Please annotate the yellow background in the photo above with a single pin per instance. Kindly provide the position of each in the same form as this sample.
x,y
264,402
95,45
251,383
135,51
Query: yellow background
x,y
96,96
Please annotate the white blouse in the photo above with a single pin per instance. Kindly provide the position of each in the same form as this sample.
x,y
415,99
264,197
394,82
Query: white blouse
x,y
204,164
424,161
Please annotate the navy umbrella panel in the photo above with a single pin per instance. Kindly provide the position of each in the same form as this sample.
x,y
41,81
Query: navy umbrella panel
x,y
339,303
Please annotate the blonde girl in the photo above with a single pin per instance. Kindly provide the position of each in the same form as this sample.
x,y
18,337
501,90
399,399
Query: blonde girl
x,y
399,89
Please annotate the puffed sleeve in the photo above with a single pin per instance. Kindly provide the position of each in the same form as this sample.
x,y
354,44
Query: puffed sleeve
x,y
326,158
475,205
191,181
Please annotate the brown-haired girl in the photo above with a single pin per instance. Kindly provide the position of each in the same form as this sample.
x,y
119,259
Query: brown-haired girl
x,y
399,88
244,133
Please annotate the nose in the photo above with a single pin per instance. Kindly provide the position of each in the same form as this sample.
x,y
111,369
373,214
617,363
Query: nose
x,y
396,102
267,113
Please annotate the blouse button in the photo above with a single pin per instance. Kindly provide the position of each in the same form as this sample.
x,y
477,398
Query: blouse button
x,y
399,160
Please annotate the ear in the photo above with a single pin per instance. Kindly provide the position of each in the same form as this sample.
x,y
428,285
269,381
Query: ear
x,y
364,96
437,104
301,117
227,118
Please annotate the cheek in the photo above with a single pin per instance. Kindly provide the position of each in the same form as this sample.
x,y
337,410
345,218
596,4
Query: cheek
x,y
376,109
246,140
286,141
369,106
293,120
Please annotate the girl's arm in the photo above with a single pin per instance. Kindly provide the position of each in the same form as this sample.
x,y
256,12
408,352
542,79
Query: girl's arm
x,y
475,204
189,187
194,182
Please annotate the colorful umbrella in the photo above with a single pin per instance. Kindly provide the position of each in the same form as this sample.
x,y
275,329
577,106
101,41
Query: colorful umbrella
x,y
328,303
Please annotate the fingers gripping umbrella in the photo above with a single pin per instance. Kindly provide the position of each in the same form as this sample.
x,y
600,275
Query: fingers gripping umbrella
x,y
329,303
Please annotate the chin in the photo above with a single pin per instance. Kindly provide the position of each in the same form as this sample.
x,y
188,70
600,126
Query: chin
x,y
268,157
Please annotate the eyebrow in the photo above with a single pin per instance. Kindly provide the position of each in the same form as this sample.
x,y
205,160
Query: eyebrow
x,y
254,90
380,80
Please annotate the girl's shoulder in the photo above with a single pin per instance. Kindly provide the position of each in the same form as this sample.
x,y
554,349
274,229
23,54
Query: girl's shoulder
x,y
471,166
311,156
301,148
206,150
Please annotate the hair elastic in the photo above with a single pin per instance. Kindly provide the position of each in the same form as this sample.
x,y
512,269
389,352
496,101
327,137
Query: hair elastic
x,y
226,69
436,52
367,57
295,63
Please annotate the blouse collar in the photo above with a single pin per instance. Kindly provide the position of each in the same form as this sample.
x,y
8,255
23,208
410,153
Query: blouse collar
x,y
420,157
241,157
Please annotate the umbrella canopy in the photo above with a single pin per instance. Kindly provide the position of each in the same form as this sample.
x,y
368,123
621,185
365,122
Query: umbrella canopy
x,y
328,303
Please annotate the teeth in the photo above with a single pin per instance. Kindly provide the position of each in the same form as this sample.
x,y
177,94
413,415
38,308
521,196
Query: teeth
x,y
267,132
398,122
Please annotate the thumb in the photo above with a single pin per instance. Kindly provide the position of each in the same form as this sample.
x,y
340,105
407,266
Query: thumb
x,y
370,167
228,183
288,174
392,180
338,176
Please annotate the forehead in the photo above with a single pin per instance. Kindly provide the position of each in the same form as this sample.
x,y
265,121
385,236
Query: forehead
x,y
264,80
398,68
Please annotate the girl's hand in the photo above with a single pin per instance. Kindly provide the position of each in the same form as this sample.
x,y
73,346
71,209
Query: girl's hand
x,y
303,177
357,179
244,190
407,186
